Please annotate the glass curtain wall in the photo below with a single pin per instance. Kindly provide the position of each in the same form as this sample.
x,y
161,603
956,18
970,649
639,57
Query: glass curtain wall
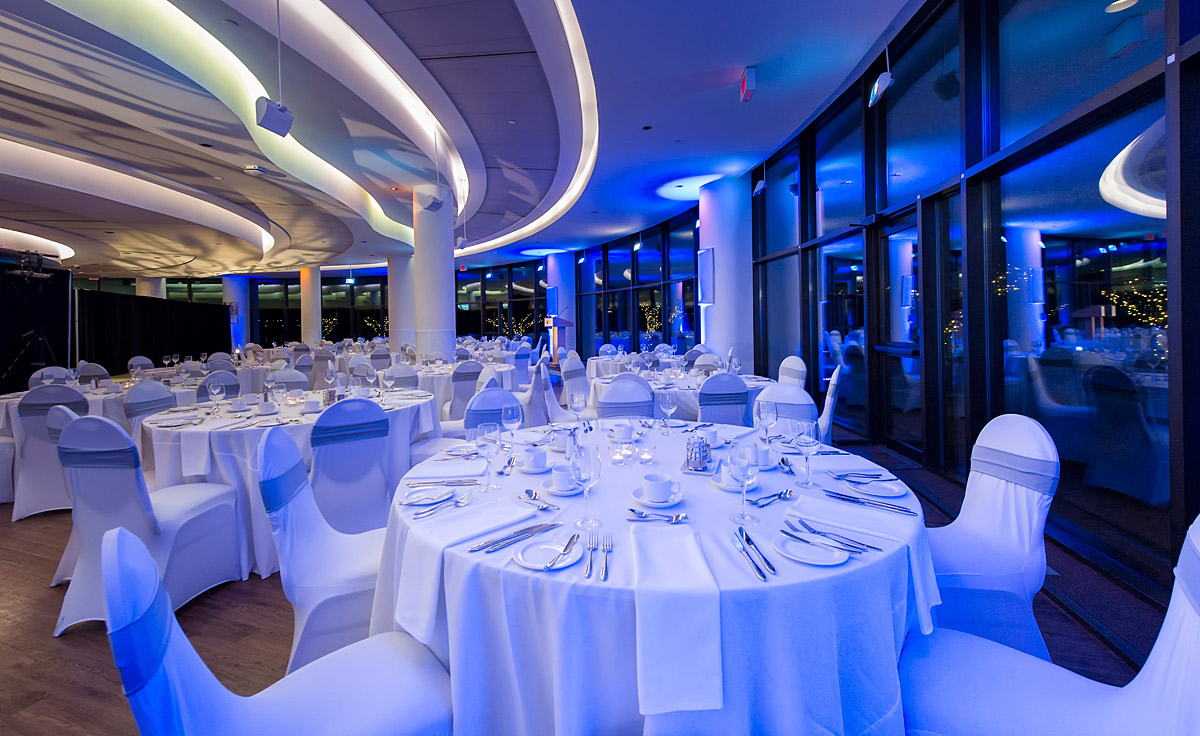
x,y
502,300
837,283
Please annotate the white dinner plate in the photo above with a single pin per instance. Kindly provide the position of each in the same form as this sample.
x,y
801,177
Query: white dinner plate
x,y
536,555
675,497
617,440
809,554
734,488
266,413
533,471
880,488
459,450
548,487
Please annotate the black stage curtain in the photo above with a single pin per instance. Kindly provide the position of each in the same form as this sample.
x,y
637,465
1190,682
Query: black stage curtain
x,y
35,326
115,327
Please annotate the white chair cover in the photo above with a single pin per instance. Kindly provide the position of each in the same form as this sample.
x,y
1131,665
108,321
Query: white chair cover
x,y
723,399
689,358
56,421
706,363
142,400
561,354
466,375
195,369
39,478
138,361
301,349
349,472
220,355
521,366
278,365
554,411
88,371
321,359
791,402
290,378
1058,396
575,355
825,421
381,359
229,380
221,364
626,399
533,400
328,577
608,349
405,376
574,379
1126,453
193,530
58,372
634,378
793,370
956,684
304,363
386,685
487,406
991,560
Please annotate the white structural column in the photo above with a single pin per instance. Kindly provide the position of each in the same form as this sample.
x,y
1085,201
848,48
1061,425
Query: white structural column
x,y
310,305
725,229
1027,287
235,292
155,286
433,269
401,301
560,272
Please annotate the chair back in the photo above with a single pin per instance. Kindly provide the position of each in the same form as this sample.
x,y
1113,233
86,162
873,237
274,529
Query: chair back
x,y
521,365
461,354
301,349
38,472
321,360
220,355
1060,376
349,467
723,399
381,359
487,406
56,421
607,349
825,421
463,381
689,358
290,379
634,378
626,398
304,363
145,398
229,380
58,373
104,474
575,355
793,370
536,410
405,376
706,363
88,371
574,378
791,402
138,361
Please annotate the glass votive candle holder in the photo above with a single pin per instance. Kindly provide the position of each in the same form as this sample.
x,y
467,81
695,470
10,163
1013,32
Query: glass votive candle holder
x,y
619,454
645,454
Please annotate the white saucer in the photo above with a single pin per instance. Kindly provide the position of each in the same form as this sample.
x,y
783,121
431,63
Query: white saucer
x,y
809,554
266,413
460,450
735,488
616,440
552,448
432,493
548,487
536,555
675,497
318,410
880,488
533,471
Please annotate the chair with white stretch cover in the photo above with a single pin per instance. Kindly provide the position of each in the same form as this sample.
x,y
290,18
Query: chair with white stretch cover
x,y
403,376
607,349
220,355
1127,453
574,379
689,358
138,361
193,530
195,369
554,411
635,378
561,354
143,399
89,371
58,374
955,684
793,370
229,380
723,399
381,359
349,472
521,367
791,402
384,686
278,365
533,400
304,364
328,576
488,406
322,359
221,364
1061,405
56,421
462,381
991,560
487,378
291,379
706,363
39,482
825,421
626,399
575,355
301,349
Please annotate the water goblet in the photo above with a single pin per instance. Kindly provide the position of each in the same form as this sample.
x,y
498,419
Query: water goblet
x,y
510,416
585,469
46,377
175,358
743,466
668,404
767,414
203,357
166,361
487,442
389,380
578,402
808,441
216,392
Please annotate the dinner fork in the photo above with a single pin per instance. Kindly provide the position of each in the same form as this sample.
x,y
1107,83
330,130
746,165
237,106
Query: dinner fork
x,y
466,498
593,543
605,548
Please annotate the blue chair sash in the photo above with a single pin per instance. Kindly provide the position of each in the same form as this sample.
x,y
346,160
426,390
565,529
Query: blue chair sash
x,y
714,399
1187,572
406,382
41,409
277,492
290,385
462,376
140,646
330,435
621,408
1040,475
134,409
475,417
806,412
573,373
794,373
126,457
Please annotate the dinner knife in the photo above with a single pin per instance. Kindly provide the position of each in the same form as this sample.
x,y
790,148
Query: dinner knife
x,y
566,548
503,537
435,498
448,482
750,543
521,538
742,548
836,547
873,504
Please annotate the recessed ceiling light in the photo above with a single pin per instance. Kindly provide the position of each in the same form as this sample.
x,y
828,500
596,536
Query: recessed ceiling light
x,y
512,122
231,22
647,127
539,252
206,145
1118,5
217,178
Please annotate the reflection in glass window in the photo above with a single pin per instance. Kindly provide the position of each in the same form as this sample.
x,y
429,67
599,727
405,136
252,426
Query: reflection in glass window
x,y
1085,346
620,263
955,448
782,313
840,171
591,323
902,325
1055,55
270,295
495,284
682,239
177,289
368,292
840,326
208,291
524,281
467,288
618,320
650,318
649,257
681,313
924,133
782,204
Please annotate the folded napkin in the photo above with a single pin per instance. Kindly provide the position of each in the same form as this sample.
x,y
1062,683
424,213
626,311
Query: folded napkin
x,y
418,588
908,530
677,612
436,470
195,458
527,436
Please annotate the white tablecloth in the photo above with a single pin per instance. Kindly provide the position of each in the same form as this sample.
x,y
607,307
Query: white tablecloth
x,y
99,405
441,384
603,366
813,650
231,456
687,396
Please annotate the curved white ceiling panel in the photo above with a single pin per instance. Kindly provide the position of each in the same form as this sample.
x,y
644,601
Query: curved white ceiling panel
x,y
1135,179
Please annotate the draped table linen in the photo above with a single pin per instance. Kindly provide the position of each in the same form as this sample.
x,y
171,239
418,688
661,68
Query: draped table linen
x,y
687,396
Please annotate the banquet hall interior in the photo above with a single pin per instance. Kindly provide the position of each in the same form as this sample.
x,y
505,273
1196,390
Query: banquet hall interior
x,y
546,367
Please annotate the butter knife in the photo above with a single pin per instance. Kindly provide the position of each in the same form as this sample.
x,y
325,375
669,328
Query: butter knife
x,y
503,537
742,548
873,504
448,482
750,543
566,548
521,538
829,545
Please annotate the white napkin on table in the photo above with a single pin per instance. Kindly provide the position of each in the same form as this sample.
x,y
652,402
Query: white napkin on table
x,y
527,436
677,607
908,530
418,588
436,470
195,458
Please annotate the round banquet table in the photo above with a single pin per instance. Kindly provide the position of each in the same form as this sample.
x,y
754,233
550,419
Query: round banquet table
x,y
812,650
687,396
603,365
225,450
440,382
111,405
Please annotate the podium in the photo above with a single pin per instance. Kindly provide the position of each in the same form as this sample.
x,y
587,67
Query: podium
x,y
557,326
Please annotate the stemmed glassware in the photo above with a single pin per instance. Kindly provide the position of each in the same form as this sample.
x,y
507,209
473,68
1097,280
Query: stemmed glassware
x,y
175,358
47,377
510,415
487,442
216,392
585,470
269,382
330,375
668,404
166,361
72,378
767,414
578,402
184,371
388,379
743,466
808,441
203,357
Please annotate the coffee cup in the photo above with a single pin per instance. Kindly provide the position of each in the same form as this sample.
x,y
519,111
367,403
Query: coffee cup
x,y
561,478
312,405
622,431
266,407
657,488
560,441
764,456
709,434
237,403
535,458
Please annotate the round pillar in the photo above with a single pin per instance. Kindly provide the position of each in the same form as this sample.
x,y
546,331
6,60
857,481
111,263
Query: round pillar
x,y
310,305
401,301
433,269
155,286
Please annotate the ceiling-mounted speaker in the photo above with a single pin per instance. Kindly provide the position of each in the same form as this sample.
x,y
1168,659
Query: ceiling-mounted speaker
x,y
946,87
794,188
760,187
881,84
274,116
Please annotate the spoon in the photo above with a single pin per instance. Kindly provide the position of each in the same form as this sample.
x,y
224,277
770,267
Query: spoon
x,y
643,516
785,495
533,495
786,466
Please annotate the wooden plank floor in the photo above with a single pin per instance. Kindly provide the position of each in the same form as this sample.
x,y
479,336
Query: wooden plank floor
x,y
242,630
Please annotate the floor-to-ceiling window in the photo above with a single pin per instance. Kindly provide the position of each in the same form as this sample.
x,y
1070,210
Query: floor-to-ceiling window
x,y
501,300
837,288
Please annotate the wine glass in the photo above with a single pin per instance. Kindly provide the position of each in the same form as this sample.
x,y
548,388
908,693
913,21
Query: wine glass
x,y
269,382
166,361
389,380
330,375
278,394
510,416
735,366
808,441
578,402
187,358
184,371
203,357
767,414
46,377
72,378
216,392
668,404
487,442
743,466
174,358
585,470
